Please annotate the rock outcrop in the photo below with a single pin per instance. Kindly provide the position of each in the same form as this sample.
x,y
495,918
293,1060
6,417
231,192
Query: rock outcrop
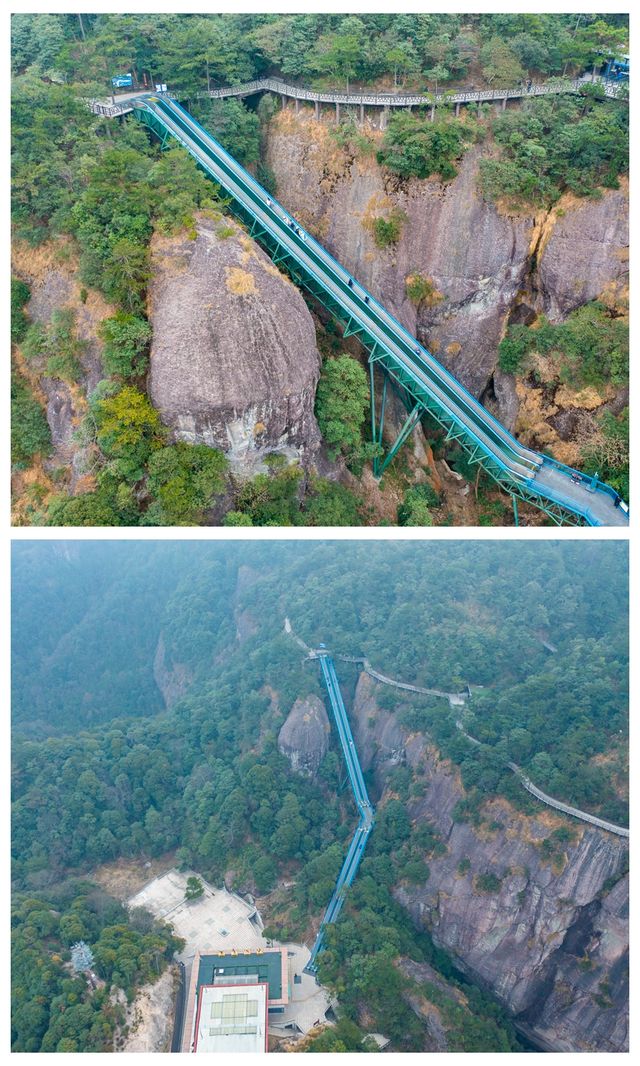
x,y
52,275
173,679
551,942
586,253
234,362
304,737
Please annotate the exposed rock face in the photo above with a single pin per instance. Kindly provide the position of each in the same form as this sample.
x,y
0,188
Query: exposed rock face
x,y
588,1001
475,257
552,943
52,276
586,253
478,258
304,737
379,739
436,1039
246,623
234,362
173,679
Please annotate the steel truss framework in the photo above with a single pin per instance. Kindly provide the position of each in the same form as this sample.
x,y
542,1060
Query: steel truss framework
x,y
417,400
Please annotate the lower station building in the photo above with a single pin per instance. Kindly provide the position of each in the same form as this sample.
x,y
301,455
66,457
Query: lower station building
x,y
231,996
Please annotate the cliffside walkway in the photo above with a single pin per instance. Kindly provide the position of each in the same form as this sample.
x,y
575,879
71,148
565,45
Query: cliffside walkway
x,y
619,830
566,496
365,825
457,699
123,103
385,101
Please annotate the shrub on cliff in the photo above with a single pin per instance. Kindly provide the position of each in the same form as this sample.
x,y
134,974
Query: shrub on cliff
x,y
270,499
413,146
342,400
387,231
330,504
19,322
183,480
55,349
420,288
128,431
30,433
591,346
126,338
488,883
553,145
414,509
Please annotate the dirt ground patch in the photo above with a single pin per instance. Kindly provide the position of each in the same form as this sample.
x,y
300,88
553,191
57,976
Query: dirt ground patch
x,y
125,877
149,1019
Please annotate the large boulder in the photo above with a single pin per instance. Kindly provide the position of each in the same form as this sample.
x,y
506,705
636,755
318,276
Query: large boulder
x,y
234,362
304,737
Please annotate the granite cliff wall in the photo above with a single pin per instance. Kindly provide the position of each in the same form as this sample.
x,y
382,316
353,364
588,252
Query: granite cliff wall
x,y
486,264
552,942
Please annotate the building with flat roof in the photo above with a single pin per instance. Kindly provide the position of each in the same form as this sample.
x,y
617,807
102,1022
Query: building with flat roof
x,y
217,972
231,1018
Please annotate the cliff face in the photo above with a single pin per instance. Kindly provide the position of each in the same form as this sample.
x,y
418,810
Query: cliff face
x,y
552,942
234,362
482,261
173,679
51,272
585,253
304,737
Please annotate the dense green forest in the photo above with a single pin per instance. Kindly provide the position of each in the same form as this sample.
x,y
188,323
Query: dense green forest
x,y
196,52
51,1010
88,617
107,187
100,770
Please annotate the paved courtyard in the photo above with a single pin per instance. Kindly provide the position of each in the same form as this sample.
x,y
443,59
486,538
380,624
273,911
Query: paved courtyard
x,y
222,921
217,921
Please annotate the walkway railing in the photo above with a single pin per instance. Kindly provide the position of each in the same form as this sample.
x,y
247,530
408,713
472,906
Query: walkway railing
x,y
575,812
123,105
377,99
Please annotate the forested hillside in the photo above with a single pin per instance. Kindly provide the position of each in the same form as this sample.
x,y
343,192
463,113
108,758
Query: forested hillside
x,y
100,771
87,620
89,194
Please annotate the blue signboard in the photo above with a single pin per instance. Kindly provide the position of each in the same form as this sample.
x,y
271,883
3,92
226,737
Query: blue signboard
x,y
122,81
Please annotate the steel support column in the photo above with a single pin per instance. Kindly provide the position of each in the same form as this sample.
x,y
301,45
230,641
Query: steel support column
x,y
408,427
